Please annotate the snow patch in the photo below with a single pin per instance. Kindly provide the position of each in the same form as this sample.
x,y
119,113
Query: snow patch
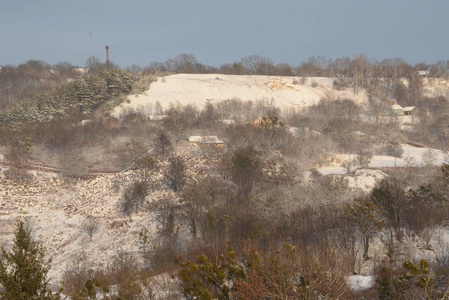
x,y
365,179
360,283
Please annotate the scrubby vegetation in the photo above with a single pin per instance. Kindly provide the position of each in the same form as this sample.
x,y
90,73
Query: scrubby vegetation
x,y
254,219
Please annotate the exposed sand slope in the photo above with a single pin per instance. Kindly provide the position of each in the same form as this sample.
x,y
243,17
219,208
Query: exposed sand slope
x,y
198,89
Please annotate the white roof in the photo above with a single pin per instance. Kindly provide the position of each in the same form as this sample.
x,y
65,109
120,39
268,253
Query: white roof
x,y
396,106
82,70
212,139
229,121
409,108
157,117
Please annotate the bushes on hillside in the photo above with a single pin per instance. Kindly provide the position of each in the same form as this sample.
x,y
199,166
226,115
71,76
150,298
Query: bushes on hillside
x,y
81,96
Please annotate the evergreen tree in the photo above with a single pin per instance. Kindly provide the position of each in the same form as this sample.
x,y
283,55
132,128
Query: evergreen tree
x,y
176,173
162,144
23,271
246,167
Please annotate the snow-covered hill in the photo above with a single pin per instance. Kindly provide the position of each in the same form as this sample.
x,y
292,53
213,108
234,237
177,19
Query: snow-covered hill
x,y
198,89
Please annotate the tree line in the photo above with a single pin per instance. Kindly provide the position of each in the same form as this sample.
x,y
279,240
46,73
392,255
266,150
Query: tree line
x,y
34,76
359,66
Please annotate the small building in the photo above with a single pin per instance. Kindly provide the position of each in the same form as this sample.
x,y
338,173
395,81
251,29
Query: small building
x,y
397,110
429,95
228,121
156,117
205,141
408,110
423,73
82,70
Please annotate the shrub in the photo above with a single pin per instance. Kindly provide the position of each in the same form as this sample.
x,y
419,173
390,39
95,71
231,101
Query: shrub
x,y
409,280
339,85
163,257
82,282
393,149
143,84
364,158
134,197
124,271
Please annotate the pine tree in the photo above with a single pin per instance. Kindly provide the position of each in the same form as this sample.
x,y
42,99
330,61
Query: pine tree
x,y
176,173
162,144
246,167
23,271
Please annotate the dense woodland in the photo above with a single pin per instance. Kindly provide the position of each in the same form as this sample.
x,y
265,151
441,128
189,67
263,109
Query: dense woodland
x,y
256,228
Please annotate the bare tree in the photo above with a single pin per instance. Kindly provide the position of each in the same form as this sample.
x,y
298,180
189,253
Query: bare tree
x,y
284,70
183,63
155,67
135,152
65,69
176,121
201,196
378,101
18,156
256,64
165,216
135,69
93,62
359,65
429,157
236,68
134,197
90,226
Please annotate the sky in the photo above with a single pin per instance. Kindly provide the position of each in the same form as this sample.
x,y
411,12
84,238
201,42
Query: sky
x,y
218,32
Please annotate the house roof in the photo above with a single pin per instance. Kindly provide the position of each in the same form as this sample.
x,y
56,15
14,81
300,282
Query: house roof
x,y
212,139
397,106
228,121
423,72
409,108
429,95
157,117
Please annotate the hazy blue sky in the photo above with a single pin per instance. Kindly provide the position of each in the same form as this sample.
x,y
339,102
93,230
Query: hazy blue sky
x,y
217,32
